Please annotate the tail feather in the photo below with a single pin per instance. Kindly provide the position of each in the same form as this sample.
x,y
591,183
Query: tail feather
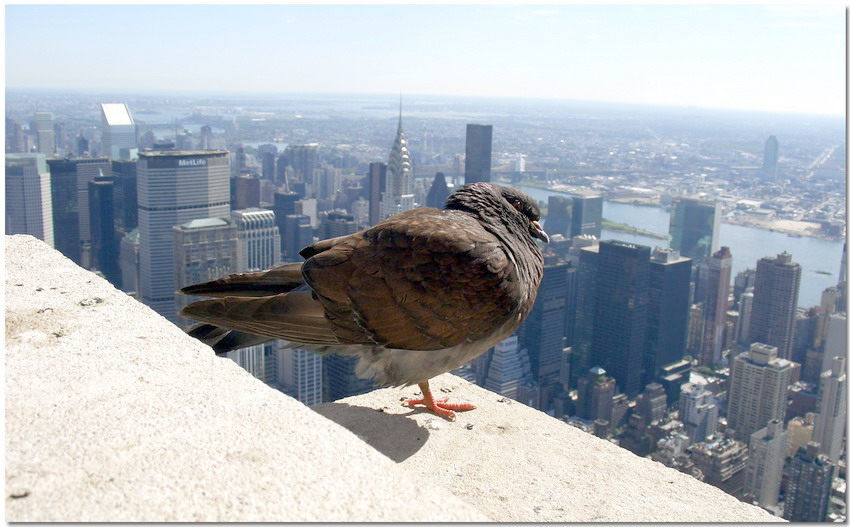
x,y
294,316
278,280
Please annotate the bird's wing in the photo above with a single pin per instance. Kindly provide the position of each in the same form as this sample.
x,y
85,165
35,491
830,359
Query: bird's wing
x,y
424,279
294,316
261,283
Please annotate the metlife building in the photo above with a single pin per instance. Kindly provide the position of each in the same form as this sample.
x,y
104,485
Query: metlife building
x,y
175,187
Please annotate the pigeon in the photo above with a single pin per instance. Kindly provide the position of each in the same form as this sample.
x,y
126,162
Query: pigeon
x,y
419,294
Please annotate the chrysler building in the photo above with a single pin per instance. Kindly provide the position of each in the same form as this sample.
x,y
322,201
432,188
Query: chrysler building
x,y
398,196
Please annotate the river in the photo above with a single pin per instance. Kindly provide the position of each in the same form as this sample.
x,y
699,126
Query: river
x,y
747,244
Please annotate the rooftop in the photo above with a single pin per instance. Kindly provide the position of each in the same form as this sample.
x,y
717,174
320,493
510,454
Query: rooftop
x,y
114,414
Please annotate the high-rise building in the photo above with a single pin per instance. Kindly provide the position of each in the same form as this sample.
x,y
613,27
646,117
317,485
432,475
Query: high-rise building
x,y
125,196
542,333
438,193
764,468
667,311
585,309
206,138
509,369
29,206
304,160
587,216
698,411
297,234
104,241
398,196
619,320
257,240
757,393
244,192
336,223
809,485
745,315
479,149
118,131
800,431
694,227
175,187
14,136
830,430
376,186
204,250
771,159
651,404
559,216
716,305
339,379
128,262
42,126
268,165
69,180
299,374
595,395
775,302
723,463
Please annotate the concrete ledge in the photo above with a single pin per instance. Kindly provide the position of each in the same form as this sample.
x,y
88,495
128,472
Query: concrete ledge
x,y
516,464
113,414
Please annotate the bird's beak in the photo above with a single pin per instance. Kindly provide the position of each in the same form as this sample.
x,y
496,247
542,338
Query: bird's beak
x,y
538,232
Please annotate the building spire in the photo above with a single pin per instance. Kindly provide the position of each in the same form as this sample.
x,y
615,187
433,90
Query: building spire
x,y
399,110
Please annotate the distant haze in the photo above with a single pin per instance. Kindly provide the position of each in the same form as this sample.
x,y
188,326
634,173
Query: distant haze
x,y
782,58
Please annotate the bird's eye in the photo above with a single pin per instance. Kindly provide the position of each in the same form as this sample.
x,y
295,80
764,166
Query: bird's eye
x,y
517,204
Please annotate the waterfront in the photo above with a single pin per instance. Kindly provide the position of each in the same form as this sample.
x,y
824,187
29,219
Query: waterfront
x,y
747,244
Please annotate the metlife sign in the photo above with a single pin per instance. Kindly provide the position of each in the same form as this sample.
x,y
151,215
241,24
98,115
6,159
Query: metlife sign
x,y
196,162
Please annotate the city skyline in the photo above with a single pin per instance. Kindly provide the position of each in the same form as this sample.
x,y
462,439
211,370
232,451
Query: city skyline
x,y
780,58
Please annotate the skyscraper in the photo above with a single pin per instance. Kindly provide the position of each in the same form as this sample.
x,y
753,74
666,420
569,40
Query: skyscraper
x,y
619,320
125,196
42,125
398,194
29,206
757,392
694,227
69,180
438,193
376,185
667,311
175,187
559,216
303,159
336,223
297,234
831,417
257,240
716,305
104,242
587,216
698,411
118,131
775,302
585,309
299,374
723,463
764,468
479,148
595,395
542,333
771,159
809,485
509,369
203,249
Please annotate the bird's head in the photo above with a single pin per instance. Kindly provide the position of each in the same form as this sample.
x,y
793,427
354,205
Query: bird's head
x,y
493,201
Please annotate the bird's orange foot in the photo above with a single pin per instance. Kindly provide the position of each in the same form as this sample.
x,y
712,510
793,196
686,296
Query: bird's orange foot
x,y
438,406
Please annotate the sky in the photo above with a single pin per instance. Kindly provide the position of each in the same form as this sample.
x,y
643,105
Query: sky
x,y
788,58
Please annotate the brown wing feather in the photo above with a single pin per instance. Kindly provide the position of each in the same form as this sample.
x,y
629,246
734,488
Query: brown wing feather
x,y
262,283
389,285
292,316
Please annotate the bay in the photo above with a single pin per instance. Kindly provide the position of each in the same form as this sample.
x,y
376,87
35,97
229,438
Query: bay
x,y
747,244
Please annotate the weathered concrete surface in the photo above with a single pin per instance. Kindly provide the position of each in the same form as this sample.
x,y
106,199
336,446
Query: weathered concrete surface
x,y
517,464
113,414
